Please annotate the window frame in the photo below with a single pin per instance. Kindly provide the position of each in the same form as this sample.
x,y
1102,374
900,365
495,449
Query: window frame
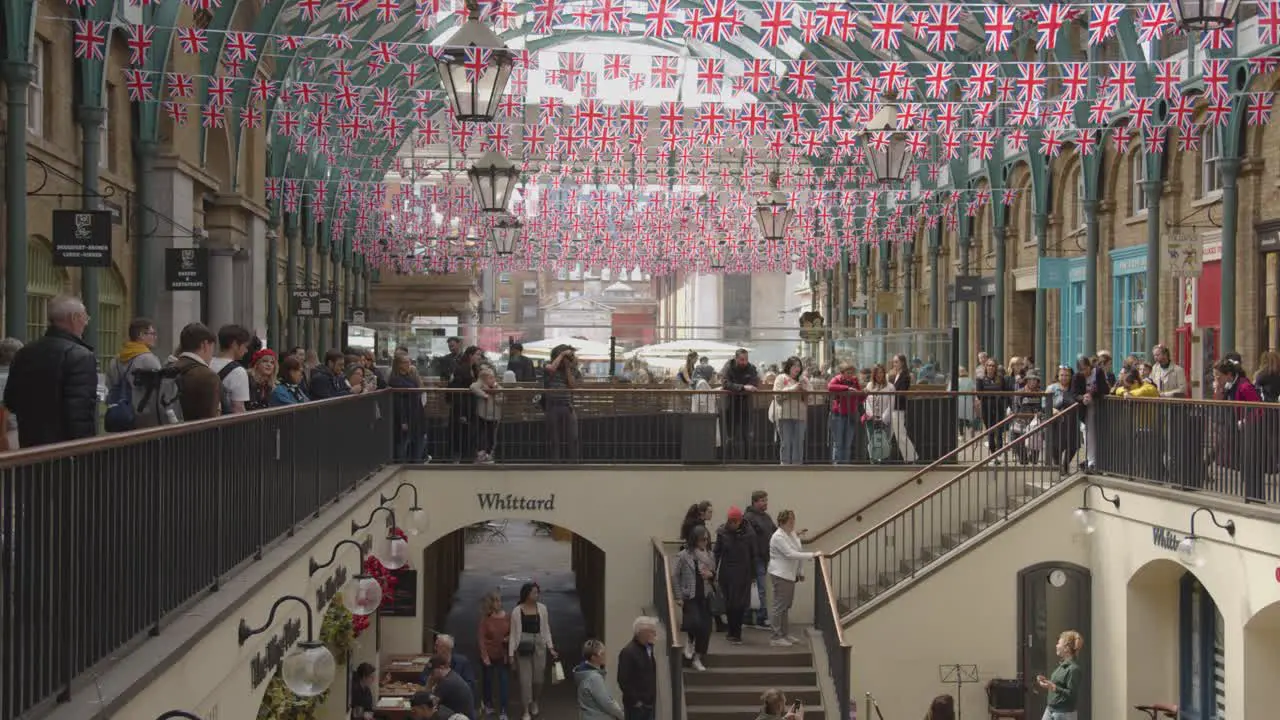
x,y
105,159
35,89
504,306
1128,336
1137,183
1210,158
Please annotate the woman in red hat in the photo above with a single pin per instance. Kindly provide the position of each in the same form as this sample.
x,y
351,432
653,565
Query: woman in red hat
x,y
262,379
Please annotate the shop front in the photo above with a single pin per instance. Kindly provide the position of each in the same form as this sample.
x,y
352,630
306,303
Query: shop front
x,y
1200,303
1129,302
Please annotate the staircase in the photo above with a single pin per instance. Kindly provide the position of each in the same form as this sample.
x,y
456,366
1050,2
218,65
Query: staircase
x,y
902,546
730,687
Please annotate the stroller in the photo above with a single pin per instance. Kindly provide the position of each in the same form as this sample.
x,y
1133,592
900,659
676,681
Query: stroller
x,y
1026,450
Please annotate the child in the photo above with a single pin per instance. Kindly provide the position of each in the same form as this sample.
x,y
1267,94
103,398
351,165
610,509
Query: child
x,y
488,411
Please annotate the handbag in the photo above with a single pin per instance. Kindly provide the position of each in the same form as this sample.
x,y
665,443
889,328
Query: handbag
x,y
525,648
557,672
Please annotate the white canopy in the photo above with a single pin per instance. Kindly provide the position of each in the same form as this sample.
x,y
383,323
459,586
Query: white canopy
x,y
679,348
587,349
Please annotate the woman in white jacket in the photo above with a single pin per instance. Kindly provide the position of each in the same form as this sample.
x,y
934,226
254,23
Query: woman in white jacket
x,y
786,568
529,644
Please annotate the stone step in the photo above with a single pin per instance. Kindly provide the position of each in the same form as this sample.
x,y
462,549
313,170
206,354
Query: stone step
x,y
758,677
992,515
743,695
738,712
973,527
767,657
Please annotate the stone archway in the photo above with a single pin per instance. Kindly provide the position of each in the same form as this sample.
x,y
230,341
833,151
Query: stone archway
x,y
1152,633
1262,662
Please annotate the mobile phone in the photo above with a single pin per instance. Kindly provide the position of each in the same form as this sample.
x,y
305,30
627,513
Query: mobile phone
x,y
795,706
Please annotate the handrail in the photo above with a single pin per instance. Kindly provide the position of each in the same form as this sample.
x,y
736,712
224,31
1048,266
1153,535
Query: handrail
x,y
963,474
55,451
827,621
831,597
672,627
917,478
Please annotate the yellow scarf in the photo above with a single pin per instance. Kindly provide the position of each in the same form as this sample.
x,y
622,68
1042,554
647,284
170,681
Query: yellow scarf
x,y
131,350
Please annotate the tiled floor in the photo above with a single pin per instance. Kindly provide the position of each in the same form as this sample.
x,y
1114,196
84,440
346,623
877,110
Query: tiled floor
x,y
506,566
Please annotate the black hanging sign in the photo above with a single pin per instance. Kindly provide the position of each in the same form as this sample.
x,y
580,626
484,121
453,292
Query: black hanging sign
x,y
82,238
358,316
967,288
313,303
186,268
403,600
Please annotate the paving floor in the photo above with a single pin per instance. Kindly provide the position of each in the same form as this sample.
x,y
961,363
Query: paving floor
x,y
505,566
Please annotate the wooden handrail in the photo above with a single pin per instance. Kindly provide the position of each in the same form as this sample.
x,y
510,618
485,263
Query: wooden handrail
x,y
963,474
673,630
55,451
831,599
917,478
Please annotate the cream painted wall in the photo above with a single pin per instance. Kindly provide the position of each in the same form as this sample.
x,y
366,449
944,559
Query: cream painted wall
x,y
964,612
622,509
1135,603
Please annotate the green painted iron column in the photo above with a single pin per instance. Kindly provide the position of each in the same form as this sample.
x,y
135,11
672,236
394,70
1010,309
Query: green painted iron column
x,y
908,282
1153,189
1041,221
882,318
323,336
1002,261
308,248
291,279
91,119
864,287
17,78
1230,167
935,256
1091,277
962,308
145,256
273,284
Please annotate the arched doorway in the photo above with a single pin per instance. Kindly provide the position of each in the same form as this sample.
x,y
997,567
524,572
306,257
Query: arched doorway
x,y
45,281
1053,598
506,556
1262,662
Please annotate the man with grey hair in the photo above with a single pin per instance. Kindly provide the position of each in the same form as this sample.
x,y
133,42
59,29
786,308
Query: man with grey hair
x,y
638,671
53,382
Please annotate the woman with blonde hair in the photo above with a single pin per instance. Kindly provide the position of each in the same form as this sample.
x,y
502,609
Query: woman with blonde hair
x,y
775,707
1065,682
495,636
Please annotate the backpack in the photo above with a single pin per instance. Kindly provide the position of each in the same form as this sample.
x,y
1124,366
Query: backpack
x,y
878,445
222,377
121,416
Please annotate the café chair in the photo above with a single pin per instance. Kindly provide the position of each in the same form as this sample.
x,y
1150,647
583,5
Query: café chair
x,y
1159,710
1006,699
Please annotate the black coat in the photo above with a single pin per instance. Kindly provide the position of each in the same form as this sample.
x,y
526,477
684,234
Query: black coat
x,y
762,527
327,384
637,675
735,558
523,369
53,389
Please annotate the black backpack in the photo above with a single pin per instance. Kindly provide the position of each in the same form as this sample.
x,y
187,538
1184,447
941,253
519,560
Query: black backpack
x,y
121,416
222,377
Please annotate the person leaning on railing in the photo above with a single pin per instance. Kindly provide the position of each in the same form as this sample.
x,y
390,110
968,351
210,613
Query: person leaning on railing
x,y
289,390
1240,432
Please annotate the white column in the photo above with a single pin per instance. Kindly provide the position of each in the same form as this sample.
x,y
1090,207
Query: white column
x,y
252,274
708,304
222,287
171,195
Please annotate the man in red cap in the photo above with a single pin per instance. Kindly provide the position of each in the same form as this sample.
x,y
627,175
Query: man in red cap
x,y
735,552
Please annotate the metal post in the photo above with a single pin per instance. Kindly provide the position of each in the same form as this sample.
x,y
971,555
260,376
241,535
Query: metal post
x,y
882,318
273,339
962,308
17,78
997,238
1091,277
308,248
935,254
613,356
146,256
1230,168
323,335
1153,188
1041,221
908,283
91,119
291,280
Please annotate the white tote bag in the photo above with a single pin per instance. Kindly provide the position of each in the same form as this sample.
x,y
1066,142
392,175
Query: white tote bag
x,y
557,672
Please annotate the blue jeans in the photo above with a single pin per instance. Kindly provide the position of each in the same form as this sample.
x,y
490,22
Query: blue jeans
x,y
791,442
496,678
762,578
409,446
843,429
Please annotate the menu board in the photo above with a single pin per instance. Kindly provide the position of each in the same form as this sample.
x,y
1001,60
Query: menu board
x,y
404,601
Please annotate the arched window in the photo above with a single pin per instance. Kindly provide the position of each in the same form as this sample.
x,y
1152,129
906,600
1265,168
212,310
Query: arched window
x,y
1138,181
45,281
110,320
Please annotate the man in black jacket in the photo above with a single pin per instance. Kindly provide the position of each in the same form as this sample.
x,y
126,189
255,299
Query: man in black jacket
x,y
740,378
327,380
53,382
520,365
763,527
637,671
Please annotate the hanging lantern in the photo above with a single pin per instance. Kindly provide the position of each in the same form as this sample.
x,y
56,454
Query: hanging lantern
x,y
887,146
493,178
774,216
474,70
506,233
1204,15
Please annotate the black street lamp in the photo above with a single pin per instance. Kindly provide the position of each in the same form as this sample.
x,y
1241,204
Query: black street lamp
x,y
1204,15
395,555
474,69
775,214
887,146
308,669
506,233
368,594
493,178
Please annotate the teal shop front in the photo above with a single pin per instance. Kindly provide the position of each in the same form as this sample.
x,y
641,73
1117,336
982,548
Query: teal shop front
x,y
1066,275
1129,302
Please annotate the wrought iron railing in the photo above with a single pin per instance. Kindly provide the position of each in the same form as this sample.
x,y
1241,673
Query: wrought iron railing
x,y
664,604
826,620
984,494
105,539
1218,446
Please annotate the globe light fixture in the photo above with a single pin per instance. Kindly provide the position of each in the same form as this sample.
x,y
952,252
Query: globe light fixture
x,y
394,550
1084,514
1204,15
506,233
368,592
1189,552
887,146
474,69
418,520
308,668
493,178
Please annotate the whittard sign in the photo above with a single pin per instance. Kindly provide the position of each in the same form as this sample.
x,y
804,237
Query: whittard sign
x,y
508,501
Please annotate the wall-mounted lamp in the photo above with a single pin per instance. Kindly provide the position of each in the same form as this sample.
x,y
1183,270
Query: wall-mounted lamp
x,y
368,593
1188,549
308,668
175,714
1084,514
395,553
417,516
